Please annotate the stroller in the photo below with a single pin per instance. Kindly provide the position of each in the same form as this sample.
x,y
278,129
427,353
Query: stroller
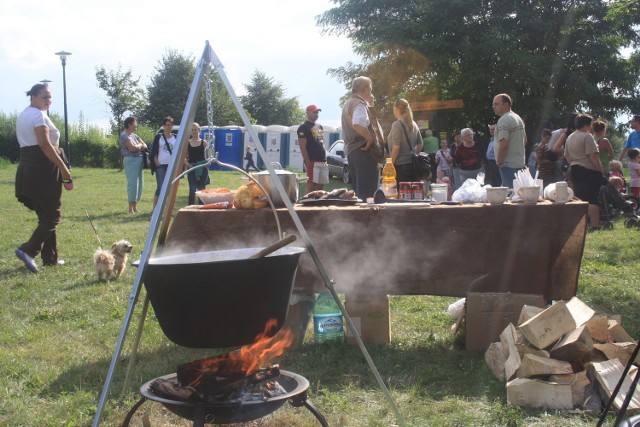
x,y
613,204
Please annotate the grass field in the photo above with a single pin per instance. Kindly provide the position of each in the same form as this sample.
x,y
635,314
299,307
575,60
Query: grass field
x,y
58,331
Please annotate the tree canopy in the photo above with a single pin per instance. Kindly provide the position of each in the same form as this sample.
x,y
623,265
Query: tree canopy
x,y
125,96
552,56
266,103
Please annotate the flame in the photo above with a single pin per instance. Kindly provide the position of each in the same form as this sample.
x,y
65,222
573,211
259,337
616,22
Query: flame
x,y
250,358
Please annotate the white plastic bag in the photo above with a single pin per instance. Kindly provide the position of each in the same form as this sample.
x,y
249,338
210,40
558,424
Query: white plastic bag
x,y
470,191
456,309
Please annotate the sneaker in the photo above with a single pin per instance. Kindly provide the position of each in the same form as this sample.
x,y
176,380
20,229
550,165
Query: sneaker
x,y
58,263
28,261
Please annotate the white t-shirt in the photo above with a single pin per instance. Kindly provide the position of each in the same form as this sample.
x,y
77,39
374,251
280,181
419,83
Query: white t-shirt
x,y
634,168
27,123
360,116
164,153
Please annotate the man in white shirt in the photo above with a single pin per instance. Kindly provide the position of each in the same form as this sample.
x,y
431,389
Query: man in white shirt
x,y
510,140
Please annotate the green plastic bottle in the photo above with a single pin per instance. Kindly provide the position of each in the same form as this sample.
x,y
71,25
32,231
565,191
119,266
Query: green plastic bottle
x,y
327,320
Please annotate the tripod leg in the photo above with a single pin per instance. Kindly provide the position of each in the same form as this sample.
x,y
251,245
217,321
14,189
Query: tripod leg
x,y
136,343
627,399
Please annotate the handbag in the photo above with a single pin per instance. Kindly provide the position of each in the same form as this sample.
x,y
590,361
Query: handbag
x,y
420,163
146,159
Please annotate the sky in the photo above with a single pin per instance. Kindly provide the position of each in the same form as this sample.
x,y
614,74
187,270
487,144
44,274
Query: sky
x,y
279,38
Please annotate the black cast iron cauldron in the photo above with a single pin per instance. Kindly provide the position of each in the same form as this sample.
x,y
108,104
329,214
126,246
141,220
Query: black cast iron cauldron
x,y
220,298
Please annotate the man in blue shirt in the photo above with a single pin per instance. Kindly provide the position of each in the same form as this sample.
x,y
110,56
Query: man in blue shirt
x,y
633,141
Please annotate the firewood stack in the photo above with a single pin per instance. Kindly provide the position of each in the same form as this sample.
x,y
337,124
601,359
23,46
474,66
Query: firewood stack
x,y
564,357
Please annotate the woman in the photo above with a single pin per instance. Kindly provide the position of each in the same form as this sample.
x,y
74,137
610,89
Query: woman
x,y
581,151
468,155
199,178
161,152
131,148
604,146
444,160
41,172
403,140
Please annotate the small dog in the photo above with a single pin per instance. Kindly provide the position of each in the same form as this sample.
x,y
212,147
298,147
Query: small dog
x,y
111,263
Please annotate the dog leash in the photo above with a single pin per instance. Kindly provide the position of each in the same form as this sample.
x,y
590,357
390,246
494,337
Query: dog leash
x,y
94,229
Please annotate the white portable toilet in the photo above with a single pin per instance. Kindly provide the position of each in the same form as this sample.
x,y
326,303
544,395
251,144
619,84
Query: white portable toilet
x,y
327,138
295,155
249,142
274,146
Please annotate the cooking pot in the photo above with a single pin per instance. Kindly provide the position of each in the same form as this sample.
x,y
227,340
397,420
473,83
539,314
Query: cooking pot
x,y
289,181
220,298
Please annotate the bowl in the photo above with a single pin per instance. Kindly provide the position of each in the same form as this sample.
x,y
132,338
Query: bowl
x,y
212,196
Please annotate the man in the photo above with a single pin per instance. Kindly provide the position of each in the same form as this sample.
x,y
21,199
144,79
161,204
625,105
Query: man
x,y
359,136
492,174
633,141
430,146
312,148
510,140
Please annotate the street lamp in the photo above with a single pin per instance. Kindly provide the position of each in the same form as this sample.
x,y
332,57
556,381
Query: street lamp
x,y
46,82
63,58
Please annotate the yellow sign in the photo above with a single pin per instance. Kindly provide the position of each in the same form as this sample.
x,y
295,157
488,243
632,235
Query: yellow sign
x,y
437,105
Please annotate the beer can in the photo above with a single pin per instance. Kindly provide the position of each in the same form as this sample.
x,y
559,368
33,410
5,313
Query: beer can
x,y
406,192
417,190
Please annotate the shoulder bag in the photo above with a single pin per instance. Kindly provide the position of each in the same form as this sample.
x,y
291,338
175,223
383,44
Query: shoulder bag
x,y
419,162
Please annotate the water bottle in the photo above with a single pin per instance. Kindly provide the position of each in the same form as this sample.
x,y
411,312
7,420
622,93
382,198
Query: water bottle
x,y
389,187
327,320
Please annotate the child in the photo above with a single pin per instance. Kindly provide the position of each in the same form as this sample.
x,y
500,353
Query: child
x,y
249,158
615,169
634,171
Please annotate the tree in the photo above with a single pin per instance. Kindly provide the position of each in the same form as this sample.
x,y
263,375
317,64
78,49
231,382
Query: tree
x,y
266,103
552,56
169,90
123,92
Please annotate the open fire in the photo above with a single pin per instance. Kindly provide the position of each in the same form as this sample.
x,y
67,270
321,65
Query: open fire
x,y
247,374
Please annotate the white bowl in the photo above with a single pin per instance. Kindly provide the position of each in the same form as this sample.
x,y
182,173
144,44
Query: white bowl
x,y
208,198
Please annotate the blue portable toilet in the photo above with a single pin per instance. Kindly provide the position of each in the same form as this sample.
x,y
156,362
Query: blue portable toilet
x,y
249,142
275,144
295,155
329,135
228,145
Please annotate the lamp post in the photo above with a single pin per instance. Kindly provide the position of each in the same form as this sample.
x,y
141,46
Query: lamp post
x,y
46,82
63,58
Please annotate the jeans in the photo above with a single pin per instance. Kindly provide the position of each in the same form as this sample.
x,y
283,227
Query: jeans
x,y
133,172
161,171
196,185
508,175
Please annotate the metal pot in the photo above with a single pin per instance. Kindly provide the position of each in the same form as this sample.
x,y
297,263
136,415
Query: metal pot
x,y
220,298
289,181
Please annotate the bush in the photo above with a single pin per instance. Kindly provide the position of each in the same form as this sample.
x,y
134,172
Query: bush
x,y
9,148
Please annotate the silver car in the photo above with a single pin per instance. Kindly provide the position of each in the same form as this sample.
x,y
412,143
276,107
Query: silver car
x,y
337,161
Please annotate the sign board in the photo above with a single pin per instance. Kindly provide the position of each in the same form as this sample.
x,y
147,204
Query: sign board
x,y
437,105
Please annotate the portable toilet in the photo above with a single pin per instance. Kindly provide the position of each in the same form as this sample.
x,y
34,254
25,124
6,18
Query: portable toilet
x,y
249,142
274,145
228,145
329,135
295,155
208,135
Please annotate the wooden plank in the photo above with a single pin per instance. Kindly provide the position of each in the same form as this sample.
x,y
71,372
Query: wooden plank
x,y
548,326
496,357
533,365
539,394
573,346
580,311
605,375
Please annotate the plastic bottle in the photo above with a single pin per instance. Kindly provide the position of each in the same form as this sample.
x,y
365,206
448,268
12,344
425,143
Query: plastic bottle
x,y
389,187
327,320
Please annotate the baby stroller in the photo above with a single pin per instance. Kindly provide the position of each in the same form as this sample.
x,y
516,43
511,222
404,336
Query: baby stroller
x,y
613,204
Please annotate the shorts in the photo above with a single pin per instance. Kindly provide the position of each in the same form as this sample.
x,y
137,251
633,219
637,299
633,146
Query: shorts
x,y
586,183
321,172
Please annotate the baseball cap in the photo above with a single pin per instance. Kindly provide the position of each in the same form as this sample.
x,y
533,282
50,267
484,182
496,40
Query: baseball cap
x,y
313,108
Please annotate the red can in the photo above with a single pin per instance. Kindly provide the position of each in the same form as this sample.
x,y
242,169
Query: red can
x,y
406,192
417,190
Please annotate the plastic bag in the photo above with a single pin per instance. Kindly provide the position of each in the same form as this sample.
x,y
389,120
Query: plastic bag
x,y
471,191
456,309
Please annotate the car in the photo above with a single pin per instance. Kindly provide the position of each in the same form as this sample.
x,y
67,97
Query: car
x,y
337,161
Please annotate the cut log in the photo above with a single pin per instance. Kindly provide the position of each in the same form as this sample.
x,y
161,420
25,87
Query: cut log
x,y
573,346
528,311
580,311
598,328
496,357
524,349
605,375
578,383
539,394
617,333
508,338
548,326
620,350
533,365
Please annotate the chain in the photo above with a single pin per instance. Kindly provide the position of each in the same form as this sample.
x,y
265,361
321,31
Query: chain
x,y
210,138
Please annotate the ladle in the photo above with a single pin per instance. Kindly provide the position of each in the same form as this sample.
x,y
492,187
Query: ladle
x,y
274,247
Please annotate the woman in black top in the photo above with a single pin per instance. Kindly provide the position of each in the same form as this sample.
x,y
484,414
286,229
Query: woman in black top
x,y
199,178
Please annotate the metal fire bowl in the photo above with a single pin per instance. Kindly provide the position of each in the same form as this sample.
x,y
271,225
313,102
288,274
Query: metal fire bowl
x,y
220,298
229,413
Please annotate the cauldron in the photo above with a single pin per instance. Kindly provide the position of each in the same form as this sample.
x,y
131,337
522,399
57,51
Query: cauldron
x,y
220,298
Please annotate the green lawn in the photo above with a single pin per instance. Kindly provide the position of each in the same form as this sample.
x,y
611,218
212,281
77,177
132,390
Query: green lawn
x,y
58,331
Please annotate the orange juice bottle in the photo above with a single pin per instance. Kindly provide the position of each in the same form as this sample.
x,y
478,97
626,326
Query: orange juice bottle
x,y
388,186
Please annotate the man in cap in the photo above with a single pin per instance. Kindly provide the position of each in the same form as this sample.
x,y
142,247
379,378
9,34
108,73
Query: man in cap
x,y
633,141
311,143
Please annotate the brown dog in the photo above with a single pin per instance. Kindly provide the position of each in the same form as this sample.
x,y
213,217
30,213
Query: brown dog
x,y
111,263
